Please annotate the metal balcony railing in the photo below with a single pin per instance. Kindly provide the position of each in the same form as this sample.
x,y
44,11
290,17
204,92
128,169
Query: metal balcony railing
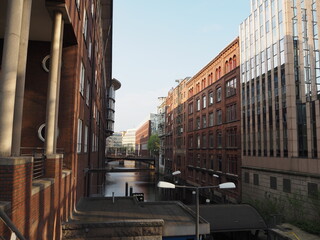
x,y
39,159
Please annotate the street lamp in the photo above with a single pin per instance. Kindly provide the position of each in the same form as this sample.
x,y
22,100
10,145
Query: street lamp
x,y
227,185
176,173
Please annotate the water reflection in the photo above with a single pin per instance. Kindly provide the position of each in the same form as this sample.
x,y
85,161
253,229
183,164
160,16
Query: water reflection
x,y
141,182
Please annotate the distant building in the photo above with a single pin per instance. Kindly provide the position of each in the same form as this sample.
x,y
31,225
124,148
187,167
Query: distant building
x,y
129,141
161,133
144,131
114,144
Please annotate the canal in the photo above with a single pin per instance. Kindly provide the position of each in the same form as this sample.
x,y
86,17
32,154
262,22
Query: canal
x,y
141,182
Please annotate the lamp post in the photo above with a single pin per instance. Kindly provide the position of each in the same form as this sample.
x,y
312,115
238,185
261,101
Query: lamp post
x,y
227,185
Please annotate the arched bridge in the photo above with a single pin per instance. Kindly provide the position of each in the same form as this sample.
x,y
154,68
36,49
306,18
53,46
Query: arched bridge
x,y
148,160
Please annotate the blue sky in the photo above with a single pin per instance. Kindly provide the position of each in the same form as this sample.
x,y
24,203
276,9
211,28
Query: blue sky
x,y
156,42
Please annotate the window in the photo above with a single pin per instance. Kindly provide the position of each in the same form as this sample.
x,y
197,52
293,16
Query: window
x,y
287,185
204,141
92,9
190,108
190,125
231,135
219,139
85,24
232,164
88,94
210,98
79,139
231,87
219,116
198,123
190,139
246,177
204,101
90,49
198,104
78,4
219,160
198,141
204,121
85,144
231,113
256,179
211,142
218,94
273,183
211,117
82,74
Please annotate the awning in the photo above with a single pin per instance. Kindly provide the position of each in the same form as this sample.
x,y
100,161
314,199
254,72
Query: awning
x,y
232,217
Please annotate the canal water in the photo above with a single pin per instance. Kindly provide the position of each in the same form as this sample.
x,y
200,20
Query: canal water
x,y
141,182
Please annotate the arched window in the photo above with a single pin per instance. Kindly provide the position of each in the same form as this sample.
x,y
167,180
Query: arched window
x,y
230,64
219,72
234,61
227,66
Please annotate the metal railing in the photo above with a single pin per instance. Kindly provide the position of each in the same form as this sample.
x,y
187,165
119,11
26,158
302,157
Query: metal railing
x,y
39,159
15,234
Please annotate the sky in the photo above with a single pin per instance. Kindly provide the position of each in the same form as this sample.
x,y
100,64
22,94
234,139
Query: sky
x,y
156,42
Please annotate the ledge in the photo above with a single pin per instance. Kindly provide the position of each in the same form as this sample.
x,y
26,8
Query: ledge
x,y
41,184
66,173
11,161
54,156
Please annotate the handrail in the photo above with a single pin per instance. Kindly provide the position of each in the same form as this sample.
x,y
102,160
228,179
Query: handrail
x,y
7,221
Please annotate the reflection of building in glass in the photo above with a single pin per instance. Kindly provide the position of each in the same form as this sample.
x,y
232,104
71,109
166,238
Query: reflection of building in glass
x,y
280,92
114,144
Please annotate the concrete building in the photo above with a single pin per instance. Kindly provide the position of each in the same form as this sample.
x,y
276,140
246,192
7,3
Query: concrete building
x,y
280,89
213,125
129,141
55,86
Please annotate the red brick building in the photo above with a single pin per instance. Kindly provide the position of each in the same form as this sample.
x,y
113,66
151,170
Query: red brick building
x,y
203,126
143,134
54,95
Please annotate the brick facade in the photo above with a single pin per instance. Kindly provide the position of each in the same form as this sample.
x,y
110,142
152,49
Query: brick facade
x,y
38,205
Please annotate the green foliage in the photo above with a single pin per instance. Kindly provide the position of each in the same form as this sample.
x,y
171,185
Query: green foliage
x,y
292,208
268,207
154,144
309,226
297,210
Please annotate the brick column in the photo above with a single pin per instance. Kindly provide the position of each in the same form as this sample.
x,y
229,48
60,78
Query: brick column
x,y
53,169
15,187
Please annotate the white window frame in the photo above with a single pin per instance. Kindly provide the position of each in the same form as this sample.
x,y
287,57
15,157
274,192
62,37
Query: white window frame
x,y
88,94
85,24
79,139
82,75
85,145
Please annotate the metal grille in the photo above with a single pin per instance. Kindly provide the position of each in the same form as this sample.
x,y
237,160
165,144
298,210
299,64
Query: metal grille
x,y
38,166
